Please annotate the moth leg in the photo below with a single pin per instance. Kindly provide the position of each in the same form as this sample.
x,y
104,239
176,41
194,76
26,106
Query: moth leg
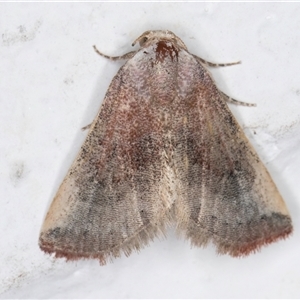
x,y
234,101
125,56
86,127
210,64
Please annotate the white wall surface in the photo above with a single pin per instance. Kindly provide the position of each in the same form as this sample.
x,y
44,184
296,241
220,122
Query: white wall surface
x,y
52,84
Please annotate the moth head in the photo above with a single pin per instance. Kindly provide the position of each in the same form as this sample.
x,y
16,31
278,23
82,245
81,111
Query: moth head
x,y
154,36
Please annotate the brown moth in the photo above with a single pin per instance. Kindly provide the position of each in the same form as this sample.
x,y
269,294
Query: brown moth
x,y
164,149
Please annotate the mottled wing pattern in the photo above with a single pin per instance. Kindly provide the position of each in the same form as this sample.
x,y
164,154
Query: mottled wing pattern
x,y
226,194
113,199
164,147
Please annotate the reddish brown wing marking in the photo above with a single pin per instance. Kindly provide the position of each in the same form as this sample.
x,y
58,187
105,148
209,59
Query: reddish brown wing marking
x,y
228,193
111,200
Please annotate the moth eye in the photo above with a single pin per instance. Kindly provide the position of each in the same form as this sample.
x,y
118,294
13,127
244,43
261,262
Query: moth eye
x,y
143,40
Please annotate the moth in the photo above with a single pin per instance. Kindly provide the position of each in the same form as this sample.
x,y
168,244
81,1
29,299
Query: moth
x,y
164,150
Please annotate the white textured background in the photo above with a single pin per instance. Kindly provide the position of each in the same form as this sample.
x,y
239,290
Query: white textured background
x,y
52,84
